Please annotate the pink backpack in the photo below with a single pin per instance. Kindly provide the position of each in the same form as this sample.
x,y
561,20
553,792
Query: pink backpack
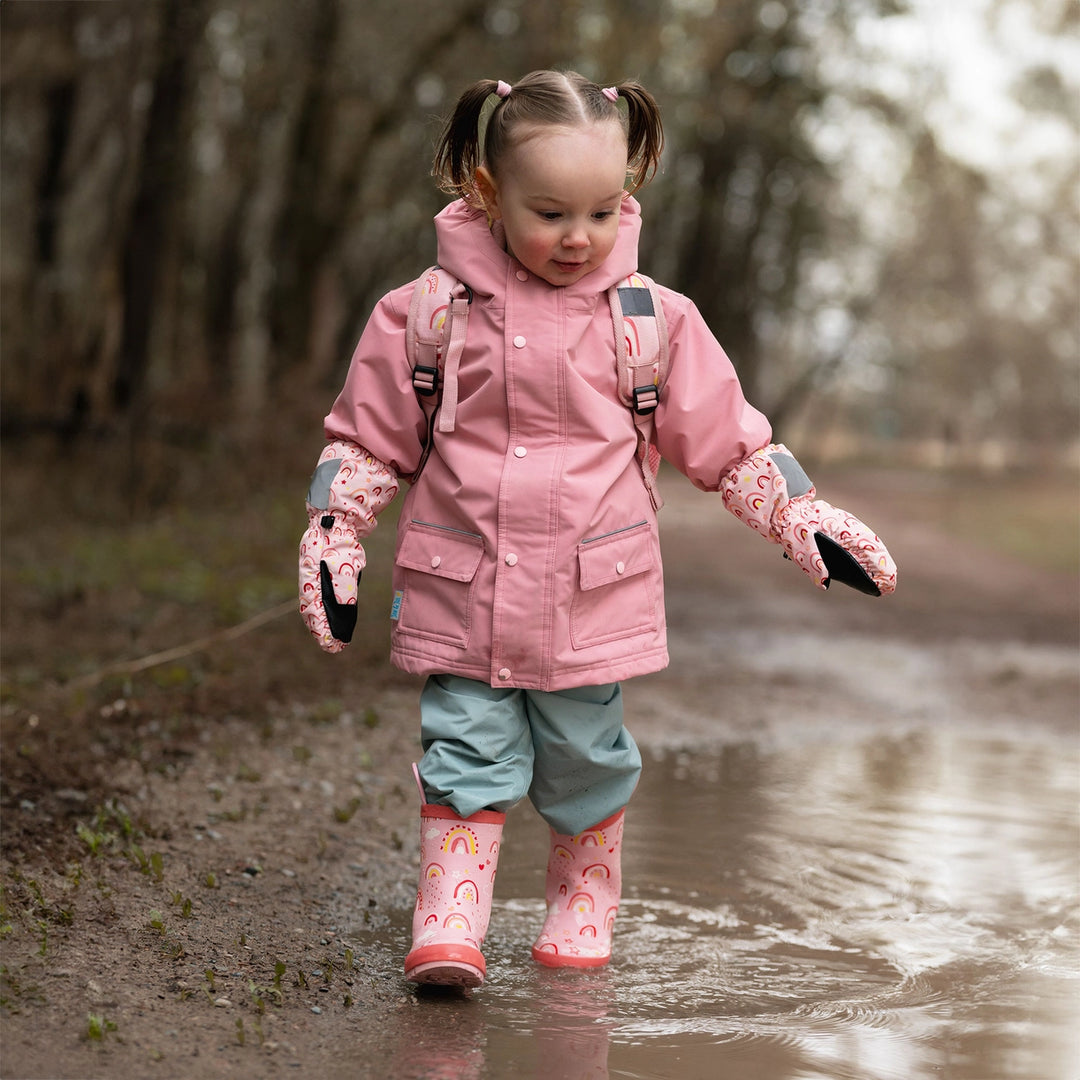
x,y
435,332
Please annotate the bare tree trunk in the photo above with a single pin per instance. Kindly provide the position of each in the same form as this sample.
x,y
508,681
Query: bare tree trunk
x,y
252,350
152,224
300,240
155,199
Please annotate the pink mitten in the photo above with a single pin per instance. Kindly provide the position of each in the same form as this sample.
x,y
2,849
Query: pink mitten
x,y
349,487
770,492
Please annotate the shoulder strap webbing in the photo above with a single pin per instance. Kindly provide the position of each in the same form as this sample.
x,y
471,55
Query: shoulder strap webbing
x,y
641,360
438,299
641,355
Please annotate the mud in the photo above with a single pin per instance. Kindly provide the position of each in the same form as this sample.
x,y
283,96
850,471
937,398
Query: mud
x,y
853,852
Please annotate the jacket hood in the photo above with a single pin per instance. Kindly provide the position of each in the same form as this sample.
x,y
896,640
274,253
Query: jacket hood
x,y
473,253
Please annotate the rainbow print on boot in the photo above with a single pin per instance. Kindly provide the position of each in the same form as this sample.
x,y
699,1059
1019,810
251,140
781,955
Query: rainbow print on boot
x,y
458,859
584,884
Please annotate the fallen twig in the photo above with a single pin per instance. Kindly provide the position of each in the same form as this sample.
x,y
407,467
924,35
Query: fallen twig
x,y
131,667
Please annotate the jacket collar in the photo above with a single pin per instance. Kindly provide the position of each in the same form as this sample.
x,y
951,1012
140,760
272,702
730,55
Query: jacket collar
x,y
473,253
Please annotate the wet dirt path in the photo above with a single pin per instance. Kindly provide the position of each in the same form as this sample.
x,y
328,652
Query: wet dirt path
x,y
853,854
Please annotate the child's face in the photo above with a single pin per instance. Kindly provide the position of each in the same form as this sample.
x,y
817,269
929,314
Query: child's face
x,y
558,196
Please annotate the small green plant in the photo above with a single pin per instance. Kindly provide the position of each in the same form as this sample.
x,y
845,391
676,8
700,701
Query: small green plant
x,y
210,880
95,840
326,712
240,1030
173,949
345,813
183,903
260,994
5,914
156,922
115,813
153,866
97,1027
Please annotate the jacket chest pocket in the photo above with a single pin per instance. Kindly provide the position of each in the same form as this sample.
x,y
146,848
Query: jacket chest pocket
x,y
616,595
438,568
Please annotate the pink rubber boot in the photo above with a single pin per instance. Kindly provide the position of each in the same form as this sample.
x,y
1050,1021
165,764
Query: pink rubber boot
x,y
584,882
458,857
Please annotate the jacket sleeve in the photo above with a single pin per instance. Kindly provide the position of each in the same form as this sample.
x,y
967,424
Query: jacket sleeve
x,y
704,424
377,407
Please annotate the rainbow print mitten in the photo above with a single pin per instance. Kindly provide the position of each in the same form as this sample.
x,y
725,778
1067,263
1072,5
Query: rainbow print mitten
x,y
349,487
770,492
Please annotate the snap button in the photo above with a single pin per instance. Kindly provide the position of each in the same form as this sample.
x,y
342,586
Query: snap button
x,y
435,561
511,559
620,566
504,673
519,342
520,451
522,276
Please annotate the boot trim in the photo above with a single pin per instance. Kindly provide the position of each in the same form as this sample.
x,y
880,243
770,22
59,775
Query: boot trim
x,y
550,958
446,964
481,817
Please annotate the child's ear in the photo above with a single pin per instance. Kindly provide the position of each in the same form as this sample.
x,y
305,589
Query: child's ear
x,y
488,191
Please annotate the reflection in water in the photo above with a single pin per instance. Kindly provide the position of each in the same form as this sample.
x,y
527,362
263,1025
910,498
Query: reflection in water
x,y
892,908
572,1031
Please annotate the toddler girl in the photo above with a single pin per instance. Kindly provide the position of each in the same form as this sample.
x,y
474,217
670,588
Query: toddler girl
x,y
527,578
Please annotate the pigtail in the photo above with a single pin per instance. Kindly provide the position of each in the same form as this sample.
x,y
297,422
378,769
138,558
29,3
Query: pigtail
x,y
645,134
458,153
480,128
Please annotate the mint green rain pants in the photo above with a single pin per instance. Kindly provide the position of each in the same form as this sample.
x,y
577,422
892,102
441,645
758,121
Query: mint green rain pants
x,y
486,747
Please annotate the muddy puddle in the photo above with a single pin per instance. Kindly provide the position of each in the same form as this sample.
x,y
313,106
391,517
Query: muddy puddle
x,y
892,907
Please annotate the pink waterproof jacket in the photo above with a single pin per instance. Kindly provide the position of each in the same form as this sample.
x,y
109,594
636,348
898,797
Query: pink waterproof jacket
x,y
527,550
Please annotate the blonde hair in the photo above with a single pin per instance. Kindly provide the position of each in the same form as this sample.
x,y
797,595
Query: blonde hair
x,y
543,97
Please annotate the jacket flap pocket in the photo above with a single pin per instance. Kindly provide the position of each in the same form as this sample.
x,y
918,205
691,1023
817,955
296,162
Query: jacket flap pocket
x,y
444,552
615,557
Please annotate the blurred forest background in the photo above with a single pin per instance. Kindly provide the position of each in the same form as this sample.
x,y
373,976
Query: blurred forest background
x,y
873,202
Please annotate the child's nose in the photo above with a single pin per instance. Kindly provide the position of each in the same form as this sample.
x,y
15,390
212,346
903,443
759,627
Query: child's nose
x,y
576,237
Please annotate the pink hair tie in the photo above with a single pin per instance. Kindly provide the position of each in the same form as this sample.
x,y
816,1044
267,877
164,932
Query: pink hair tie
x,y
503,89
611,93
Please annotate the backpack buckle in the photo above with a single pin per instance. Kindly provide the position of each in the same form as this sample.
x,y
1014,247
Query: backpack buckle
x,y
646,399
425,380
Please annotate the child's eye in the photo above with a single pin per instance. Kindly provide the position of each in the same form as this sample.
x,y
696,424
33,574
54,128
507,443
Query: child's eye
x,y
603,215
549,215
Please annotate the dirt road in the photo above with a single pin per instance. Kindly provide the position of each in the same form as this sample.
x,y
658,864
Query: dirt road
x,y
188,858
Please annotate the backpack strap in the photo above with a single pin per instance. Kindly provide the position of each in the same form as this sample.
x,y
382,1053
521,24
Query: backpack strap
x,y
641,361
435,335
435,347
